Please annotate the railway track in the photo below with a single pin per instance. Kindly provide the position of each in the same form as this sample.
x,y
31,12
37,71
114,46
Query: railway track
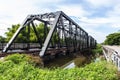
x,y
36,51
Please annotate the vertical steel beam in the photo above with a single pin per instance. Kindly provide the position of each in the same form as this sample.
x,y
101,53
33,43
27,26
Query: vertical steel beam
x,y
49,36
87,41
70,33
28,36
63,29
58,34
37,35
80,38
76,38
45,30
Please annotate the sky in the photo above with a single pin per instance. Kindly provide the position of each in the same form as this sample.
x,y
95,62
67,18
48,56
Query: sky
x,y
98,17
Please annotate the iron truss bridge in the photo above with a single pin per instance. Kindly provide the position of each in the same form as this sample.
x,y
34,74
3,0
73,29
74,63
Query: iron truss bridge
x,y
61,35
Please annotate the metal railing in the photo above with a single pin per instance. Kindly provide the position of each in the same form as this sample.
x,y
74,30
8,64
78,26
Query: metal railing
x,y
21,46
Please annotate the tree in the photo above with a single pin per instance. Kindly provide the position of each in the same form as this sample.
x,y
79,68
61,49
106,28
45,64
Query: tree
x,y
113,39
12,30
22,37
2,39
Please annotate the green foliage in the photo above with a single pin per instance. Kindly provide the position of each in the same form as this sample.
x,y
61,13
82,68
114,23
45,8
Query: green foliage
x,y
22,37
2,39
17,58
12,30
100,71
98,49
113,39
40,31
12,70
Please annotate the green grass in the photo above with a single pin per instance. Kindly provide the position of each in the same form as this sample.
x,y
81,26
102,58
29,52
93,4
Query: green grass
x,y
20,67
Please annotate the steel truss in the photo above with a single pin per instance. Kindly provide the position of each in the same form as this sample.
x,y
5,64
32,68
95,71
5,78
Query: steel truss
x,y
64,35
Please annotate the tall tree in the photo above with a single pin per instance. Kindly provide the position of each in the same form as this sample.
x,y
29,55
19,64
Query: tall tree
x,y
12,30
113,39
22,37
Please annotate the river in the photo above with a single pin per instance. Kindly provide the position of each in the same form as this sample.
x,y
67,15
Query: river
x,y
69,61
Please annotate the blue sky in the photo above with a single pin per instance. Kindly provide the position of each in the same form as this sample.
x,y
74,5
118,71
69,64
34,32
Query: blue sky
x,y
98,17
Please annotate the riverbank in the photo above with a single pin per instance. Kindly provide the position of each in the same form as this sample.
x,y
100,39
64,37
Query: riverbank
x,y
20,66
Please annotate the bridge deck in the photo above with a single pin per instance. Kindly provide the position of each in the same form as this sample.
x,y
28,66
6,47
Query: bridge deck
x,y
113,48
112,53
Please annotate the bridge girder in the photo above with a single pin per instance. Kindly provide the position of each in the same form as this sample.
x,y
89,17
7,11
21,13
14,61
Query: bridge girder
x,y
68,34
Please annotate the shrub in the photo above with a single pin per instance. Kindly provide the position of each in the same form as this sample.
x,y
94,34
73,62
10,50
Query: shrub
x,y
17,58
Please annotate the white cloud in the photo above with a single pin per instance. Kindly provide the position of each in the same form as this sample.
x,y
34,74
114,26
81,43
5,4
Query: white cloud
x,y
115,12
15,8
2,29
19,9
99,36
73,10
102,3
98,20
116,25
114,16
49,1
15,11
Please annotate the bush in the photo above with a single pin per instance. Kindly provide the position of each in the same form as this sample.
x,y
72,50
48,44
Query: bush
x,y
17,58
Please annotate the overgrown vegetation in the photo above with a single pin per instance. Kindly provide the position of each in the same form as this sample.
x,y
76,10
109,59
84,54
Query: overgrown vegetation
x,y
20,67
97,50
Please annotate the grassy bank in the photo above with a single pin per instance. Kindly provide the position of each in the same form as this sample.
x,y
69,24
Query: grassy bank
x,y
21,67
